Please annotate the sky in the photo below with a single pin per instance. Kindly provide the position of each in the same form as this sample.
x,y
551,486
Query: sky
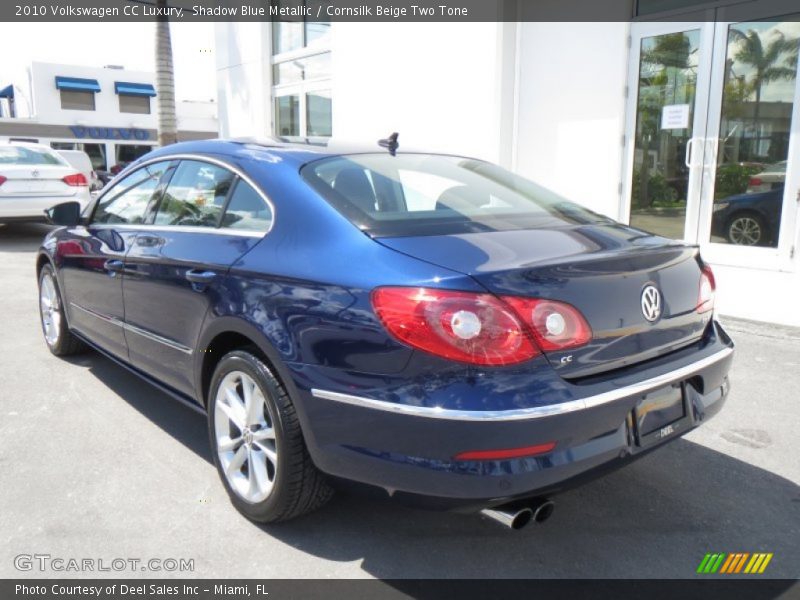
x,y
98,44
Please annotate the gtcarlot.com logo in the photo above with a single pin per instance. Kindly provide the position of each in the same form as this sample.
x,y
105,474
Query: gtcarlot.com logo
x,y
743,563
47,562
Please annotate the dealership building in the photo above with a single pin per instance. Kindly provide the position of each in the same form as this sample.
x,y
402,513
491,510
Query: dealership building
x,y
107,112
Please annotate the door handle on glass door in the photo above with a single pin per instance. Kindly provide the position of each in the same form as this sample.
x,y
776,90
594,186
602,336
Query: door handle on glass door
x,y
688,158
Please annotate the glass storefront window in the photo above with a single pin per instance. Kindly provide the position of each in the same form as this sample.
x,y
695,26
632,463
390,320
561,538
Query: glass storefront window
x,y
318,113
311,67
756,121
667,83
287,116
292,35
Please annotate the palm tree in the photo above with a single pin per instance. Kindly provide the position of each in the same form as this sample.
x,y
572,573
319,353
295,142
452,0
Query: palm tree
x,y
165,81
764,61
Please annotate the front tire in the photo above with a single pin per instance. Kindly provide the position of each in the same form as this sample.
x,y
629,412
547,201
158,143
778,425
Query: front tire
x,y
57,335
258,445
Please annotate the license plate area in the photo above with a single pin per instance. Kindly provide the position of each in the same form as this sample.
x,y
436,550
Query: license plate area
x,y
662,413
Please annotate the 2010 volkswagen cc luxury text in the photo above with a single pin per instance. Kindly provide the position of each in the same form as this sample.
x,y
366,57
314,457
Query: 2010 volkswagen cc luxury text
x,y
432,326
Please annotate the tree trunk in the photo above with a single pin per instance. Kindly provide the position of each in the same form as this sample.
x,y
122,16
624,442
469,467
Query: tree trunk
x,y
165,82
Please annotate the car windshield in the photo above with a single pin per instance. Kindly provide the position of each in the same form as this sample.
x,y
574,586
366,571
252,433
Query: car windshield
x,y
422,194
23,155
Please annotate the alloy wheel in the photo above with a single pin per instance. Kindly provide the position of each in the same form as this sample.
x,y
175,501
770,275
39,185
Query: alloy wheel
x,y
245,437
50,309
745,231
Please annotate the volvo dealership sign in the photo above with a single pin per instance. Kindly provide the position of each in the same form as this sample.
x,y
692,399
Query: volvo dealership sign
x,y
110,133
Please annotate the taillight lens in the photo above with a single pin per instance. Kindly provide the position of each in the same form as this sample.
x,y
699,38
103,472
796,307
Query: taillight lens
x,y
2,180
708,287
479,328
555,325
76,179
463,326
755,182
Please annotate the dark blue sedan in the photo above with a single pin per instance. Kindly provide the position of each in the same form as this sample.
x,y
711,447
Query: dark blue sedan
x,y
433,327
751,219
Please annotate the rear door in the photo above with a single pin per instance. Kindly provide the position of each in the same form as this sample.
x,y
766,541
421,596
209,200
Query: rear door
x,y
207,217
92,258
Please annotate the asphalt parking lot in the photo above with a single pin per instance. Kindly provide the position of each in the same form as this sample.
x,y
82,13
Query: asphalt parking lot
x,y
98,464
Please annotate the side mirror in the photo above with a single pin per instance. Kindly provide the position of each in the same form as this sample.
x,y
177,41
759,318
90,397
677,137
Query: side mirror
x,y
67,214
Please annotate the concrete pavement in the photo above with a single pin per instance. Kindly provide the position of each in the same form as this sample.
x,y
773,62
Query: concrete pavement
x,y
98,464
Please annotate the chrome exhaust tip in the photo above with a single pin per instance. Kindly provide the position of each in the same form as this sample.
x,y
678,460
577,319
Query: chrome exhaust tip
x,y
513,518
516,516
543,511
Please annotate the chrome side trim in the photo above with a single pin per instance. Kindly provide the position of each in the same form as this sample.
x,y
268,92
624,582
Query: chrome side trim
x,y
527,413
157,338
133,329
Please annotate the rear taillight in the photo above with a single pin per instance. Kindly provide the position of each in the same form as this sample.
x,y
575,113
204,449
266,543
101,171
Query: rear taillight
x,y
462,326
76,179
755,182
708,286
555,325
2,180
479,328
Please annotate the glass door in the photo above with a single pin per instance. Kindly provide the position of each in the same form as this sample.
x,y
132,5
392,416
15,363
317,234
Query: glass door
x,y
668,87
713,149
749,203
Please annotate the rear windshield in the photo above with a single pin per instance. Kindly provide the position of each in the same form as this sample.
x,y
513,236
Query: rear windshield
x,y
422,194
20,155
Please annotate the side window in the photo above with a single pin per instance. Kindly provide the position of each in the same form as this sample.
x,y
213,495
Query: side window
x,y
195,195
127,201
247,210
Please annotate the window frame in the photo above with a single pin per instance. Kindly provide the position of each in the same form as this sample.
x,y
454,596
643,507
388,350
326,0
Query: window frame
x,y
92,94
127,97
217,225
148,223
159,189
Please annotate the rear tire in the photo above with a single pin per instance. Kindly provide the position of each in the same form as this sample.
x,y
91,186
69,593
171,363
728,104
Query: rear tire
x,y
257,443
57,336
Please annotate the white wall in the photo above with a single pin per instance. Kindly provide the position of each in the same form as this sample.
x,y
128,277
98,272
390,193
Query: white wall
x,y
243,79
434,83
571,108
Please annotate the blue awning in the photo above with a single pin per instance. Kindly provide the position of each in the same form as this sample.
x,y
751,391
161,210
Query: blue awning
x,y
7,92
134,89
76,84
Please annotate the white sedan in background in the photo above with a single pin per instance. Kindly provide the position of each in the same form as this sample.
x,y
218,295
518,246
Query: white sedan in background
x,y
34,177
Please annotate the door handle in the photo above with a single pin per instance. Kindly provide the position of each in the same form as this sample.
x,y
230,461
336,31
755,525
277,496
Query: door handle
x,y
200,279
114,266
149,241
688,158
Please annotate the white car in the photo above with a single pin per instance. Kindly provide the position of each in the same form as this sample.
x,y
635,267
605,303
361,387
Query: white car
x,y
774,176
81,161
33,178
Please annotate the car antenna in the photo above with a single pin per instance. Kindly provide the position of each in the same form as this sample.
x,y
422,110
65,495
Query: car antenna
x,y
390,143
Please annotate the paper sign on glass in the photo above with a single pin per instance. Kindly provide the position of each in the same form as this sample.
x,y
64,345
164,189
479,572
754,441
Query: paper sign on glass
x,y
675,116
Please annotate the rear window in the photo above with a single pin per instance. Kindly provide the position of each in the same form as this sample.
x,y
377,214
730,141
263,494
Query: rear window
x,y
419,194
21,155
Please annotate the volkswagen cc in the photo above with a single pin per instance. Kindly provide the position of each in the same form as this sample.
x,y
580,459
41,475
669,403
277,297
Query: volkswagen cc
x,y
433,327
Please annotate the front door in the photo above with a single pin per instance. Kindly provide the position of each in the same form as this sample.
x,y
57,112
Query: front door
x,y
93,258
175,270
712,155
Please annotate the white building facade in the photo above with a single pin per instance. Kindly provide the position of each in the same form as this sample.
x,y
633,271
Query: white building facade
x,y
675,126
110,112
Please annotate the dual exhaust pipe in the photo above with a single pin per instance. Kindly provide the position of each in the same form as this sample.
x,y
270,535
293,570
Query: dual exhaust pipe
x,y
518,515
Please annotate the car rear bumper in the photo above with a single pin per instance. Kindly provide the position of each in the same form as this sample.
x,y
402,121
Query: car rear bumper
x,y
32,208
408,448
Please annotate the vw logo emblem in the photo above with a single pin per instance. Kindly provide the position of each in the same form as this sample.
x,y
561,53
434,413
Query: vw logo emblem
x,y
651,303
34,173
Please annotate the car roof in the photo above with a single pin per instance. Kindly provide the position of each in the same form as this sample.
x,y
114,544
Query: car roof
x,y
289,151
29,145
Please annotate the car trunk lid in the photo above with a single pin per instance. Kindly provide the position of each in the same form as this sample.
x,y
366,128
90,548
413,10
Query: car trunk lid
x,y
600,269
